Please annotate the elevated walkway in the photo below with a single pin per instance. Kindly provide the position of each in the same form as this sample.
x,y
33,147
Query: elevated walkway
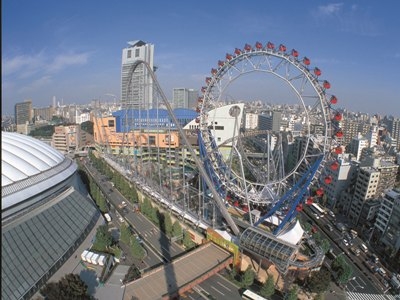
x,y
171,280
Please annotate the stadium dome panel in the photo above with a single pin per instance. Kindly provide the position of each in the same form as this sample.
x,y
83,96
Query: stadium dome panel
x,y
47,213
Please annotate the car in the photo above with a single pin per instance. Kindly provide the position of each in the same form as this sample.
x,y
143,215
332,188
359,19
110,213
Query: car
x,y
345,242
331,214
121,219
316,216
329,227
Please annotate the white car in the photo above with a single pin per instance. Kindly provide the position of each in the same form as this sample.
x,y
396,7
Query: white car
x,y
121,219
345,242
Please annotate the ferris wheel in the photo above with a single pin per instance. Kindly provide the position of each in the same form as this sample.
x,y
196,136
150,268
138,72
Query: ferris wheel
x,y
262,166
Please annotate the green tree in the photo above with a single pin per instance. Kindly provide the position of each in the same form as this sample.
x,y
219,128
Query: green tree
x,y
177,229
248,277
102,203
134,195
319,281
168,224
103,238
187,240
292,294
137,250
268,288
125,234
69,287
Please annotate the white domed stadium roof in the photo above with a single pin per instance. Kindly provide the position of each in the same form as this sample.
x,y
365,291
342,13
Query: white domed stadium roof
x,y
28,167
23,156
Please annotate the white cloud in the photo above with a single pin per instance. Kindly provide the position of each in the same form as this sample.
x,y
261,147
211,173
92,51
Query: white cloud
x,y
23,65
330,9
352,19
65,60
36,84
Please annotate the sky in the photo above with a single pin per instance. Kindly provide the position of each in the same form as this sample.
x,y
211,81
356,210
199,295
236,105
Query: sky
x,y
72,49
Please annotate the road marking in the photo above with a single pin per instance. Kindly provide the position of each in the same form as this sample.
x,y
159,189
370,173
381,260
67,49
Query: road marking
x,y
224,286
218,291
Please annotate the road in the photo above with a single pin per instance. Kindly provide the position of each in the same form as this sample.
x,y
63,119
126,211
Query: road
x,y
363,281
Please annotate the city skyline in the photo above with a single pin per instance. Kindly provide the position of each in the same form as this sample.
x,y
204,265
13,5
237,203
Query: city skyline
x,y
74,52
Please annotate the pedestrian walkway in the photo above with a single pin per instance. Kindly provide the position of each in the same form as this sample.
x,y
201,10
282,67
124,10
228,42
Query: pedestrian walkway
x,y
362,296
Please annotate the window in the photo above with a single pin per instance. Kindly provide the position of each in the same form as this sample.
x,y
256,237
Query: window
x,y
152,140
110,123
129,54
137,52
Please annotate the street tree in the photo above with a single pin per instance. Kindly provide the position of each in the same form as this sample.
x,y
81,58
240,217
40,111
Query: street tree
x,y
268,288
248,277
103,238
69,287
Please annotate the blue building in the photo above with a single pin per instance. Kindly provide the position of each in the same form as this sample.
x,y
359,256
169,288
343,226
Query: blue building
x,y
135,119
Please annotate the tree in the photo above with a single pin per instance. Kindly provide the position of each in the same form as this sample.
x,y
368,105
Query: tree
x,y
187,240
69,287
125,234
248,277
176,229
103,238
319,281
134,195
136,249
167,224
102,203
268,288
292,294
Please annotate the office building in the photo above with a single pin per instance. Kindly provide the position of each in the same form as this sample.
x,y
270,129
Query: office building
x,y
137,84
184,98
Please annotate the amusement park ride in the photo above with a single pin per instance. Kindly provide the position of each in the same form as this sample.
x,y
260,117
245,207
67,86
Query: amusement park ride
x,y
281,185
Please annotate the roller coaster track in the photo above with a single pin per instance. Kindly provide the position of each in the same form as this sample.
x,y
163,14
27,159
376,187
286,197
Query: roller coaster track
x,y
216,196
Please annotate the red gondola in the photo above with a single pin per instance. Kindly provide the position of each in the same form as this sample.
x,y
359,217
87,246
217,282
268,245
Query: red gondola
x,y
213,71
198,109
328,179
200,99
326,84
247,47
282,48
335,165
306,61
338,117
338,150
333,99
245,208
270,45
339,133
236,203
309,200
221,63
228,56
238,51
208,80
320,192
299,207
295,53
203,89
317,71
197,120
259,45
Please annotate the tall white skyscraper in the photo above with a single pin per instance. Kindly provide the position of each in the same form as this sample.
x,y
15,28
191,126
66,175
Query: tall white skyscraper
x,y
137,87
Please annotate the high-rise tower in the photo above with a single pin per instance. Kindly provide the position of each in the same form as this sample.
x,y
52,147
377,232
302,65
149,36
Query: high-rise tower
x,y
137,87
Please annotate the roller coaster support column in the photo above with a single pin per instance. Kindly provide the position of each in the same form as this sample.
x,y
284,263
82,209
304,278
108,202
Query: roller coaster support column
x,y
217,198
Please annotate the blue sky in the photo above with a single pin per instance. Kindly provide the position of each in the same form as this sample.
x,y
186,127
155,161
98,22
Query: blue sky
x,y
72,49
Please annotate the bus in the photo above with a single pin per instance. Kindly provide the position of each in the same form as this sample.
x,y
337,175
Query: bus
x,y
252,296
315,208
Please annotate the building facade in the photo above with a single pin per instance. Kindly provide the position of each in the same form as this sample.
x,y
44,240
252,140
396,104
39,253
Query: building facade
x,y
137,85
184,98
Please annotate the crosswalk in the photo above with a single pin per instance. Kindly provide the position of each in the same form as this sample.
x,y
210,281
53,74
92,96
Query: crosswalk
x,y
362,296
